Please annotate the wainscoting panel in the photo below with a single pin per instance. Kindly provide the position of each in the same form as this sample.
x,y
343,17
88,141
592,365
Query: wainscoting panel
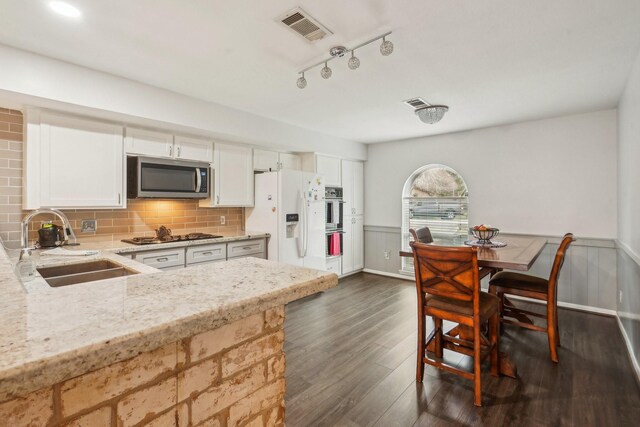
x,y
629,306
588,277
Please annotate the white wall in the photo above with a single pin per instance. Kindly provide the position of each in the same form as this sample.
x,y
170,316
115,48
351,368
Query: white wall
x,y
629,163
629,213
30,79
543,177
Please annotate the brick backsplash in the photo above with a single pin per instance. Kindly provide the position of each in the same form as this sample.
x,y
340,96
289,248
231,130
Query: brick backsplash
x,y
141,217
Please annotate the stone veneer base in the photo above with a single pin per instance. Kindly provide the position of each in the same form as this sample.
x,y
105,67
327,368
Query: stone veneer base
x,y
230,376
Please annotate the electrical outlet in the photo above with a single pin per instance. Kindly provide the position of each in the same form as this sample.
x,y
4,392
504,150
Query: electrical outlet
x,y
88,226
387,255
620,296
223,220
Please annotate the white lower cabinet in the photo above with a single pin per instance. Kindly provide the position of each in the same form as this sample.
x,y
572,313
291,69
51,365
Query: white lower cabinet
x,y
353,244
334,265
206,253
246,248
176,258
162,259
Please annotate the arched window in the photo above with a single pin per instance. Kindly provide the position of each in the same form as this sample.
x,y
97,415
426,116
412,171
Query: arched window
x,y
434,196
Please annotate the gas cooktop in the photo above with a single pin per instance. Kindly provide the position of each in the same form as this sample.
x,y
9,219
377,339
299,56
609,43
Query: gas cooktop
x,y
169,239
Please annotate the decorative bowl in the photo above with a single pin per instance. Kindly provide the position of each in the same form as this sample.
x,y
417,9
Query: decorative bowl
x,y
484,236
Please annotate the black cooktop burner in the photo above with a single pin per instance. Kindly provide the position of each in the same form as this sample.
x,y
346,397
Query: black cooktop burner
x,y
169,239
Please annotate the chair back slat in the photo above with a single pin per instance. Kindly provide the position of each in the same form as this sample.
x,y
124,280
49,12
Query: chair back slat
x,y
450,272
558,262
422,235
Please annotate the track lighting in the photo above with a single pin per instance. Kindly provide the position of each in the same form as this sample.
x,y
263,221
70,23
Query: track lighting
x,y
354,62
325,72
386,49
302,82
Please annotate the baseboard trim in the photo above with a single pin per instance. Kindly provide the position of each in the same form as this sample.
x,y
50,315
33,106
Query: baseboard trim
x,y
350,274
384,273
627,341
578,307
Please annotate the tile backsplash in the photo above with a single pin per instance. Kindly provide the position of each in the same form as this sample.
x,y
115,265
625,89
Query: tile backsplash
x,y
140,218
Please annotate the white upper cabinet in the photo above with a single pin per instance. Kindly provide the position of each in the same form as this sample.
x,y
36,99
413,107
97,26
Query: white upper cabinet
x,y
265,160
73,163
327,166
353,187
187,148
232,176
290,161
160,144
148,143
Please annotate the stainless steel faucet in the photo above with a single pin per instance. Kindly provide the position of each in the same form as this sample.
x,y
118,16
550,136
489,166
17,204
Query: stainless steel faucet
x,y
66,225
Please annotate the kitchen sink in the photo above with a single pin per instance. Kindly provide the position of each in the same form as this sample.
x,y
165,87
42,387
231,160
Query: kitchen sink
x,y
63,275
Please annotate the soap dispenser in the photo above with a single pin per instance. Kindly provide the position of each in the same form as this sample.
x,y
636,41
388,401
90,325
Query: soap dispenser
x,y
25,268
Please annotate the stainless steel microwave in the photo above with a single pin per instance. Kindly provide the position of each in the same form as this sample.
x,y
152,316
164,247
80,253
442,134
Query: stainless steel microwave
x,y
148,177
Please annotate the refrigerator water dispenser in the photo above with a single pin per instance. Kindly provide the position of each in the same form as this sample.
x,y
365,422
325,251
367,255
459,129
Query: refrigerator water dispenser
x,y
292,225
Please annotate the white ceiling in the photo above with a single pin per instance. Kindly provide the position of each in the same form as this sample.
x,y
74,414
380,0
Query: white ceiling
x,y
491,61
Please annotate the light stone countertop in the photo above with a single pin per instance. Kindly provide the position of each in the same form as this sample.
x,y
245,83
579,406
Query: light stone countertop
x,y
52,334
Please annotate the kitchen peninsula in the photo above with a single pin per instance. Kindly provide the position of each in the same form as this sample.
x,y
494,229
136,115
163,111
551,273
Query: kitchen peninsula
x,y
196,346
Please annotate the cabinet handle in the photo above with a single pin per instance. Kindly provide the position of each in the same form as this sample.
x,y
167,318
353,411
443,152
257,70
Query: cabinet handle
x,y
207,253
119,198
218,200
170,150
163,259
246,248
178,151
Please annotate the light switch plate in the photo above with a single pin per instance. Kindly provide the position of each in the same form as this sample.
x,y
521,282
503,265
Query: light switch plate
x,y
89,226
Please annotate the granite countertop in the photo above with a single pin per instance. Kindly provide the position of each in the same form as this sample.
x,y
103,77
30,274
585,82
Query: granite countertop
x,y
58,333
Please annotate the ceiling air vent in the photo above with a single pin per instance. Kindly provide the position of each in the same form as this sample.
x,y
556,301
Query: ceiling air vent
x,y
302,23
416,102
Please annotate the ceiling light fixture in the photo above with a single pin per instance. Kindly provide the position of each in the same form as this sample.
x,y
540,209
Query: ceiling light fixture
x,y
354,62
431,114
386,49
325,72
302,82
65,9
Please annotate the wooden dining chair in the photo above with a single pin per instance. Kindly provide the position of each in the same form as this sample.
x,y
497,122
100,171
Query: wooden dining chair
x,y
524,285
448,286
422,235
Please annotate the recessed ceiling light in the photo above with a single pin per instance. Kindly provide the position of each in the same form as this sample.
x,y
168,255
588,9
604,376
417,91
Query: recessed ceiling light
x,y
65,9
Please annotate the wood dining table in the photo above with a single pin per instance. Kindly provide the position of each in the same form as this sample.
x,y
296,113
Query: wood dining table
x,y
519,254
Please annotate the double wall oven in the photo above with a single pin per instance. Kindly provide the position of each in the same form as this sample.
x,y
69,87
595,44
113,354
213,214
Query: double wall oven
x,y
334,212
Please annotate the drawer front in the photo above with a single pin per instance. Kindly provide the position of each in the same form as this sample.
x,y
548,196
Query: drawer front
x,y
206,253
247,247
261,256
334,266
162,259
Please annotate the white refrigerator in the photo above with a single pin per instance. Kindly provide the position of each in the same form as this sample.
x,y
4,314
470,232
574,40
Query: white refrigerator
x,y
290,206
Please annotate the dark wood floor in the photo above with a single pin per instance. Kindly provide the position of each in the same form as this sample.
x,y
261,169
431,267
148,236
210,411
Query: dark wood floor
x,y
351,362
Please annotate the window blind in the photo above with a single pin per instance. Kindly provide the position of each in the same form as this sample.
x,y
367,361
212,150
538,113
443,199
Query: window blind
x,y
445,217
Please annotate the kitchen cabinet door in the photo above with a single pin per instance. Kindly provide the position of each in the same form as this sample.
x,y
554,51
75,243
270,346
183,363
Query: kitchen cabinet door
x,y
348,263
329,167
353,187
186,148
353,244
357,234
81,164
265,161
148,143
290,161
233,176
